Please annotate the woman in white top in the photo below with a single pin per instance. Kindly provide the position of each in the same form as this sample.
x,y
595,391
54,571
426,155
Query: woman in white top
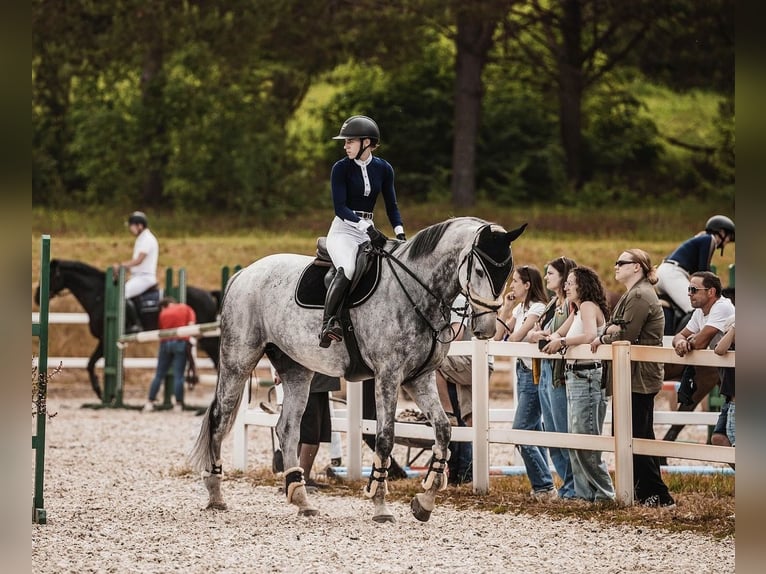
x,y
586,398
527,287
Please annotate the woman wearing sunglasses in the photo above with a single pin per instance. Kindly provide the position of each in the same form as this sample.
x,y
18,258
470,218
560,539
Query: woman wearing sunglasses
x,y
638,318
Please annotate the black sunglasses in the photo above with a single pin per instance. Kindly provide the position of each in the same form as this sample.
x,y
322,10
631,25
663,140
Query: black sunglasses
x,y
620,263
693,290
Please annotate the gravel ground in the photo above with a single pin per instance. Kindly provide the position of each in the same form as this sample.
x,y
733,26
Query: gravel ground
x,y
119,499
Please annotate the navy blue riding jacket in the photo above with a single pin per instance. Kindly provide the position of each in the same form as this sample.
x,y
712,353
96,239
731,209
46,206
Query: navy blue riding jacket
x,y
694,254
348,189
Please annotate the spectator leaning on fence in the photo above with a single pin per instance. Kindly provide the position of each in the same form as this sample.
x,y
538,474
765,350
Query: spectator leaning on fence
x,y
586,397
711,314
638,318
517,322
172,351
552,389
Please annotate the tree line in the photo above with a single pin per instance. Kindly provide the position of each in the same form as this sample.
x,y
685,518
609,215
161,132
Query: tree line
x,y
203,104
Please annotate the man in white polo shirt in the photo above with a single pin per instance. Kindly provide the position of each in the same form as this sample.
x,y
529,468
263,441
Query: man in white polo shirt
x,y
143,266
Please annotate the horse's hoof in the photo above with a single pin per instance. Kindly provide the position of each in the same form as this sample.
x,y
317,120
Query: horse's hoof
x,y
216,505
308,512
380,518
418,511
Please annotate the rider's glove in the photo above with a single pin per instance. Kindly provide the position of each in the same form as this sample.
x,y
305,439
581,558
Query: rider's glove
x,y
377,239
401,237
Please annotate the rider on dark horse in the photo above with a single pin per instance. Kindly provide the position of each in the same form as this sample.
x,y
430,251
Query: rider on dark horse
x,y
356,182
143,267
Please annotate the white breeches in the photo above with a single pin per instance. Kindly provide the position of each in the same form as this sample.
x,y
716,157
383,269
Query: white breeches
x,y
674,282
343,241
137,284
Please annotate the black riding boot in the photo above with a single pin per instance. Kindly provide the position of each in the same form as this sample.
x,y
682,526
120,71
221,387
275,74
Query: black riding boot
x,y
132,322
336,292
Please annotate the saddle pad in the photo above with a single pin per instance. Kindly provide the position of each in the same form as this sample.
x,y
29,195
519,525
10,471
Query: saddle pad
x,y
311,291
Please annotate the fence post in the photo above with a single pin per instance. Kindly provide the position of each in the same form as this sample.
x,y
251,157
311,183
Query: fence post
x,y
622,423
40,330
480,399
114,325
354,417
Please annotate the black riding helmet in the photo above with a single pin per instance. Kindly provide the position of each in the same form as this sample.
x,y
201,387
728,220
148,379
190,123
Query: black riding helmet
x,y
719,223
138,217
359,127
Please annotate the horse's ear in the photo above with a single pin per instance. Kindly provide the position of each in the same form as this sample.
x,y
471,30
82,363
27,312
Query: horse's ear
x,y
513,235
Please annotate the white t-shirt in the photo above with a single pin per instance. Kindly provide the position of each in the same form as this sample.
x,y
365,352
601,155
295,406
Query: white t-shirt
x,y
520,315
147,243
719,317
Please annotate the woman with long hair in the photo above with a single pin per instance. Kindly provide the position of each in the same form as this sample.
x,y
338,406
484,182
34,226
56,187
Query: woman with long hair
x,y
527,288
586,396
552,390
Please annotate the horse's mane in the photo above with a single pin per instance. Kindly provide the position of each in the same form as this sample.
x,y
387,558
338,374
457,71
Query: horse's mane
x,y
425,241
78,267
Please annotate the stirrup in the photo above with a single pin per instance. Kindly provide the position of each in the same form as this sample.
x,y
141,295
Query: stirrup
x,y
332,332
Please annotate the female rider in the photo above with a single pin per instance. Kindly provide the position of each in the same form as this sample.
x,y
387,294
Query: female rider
x,y
356,182
691,256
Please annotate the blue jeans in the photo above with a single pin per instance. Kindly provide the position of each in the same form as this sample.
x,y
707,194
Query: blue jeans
x,y
172,353
731,424
553,403
528,417
586,404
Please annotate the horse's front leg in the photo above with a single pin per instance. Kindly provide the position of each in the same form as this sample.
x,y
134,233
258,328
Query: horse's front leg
x,y
424,393
377,486
91,368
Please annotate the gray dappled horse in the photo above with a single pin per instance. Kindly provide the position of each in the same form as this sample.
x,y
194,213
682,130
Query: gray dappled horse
x,y
403,334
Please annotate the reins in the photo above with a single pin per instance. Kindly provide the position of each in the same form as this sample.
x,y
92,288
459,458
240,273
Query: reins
x,y
444,308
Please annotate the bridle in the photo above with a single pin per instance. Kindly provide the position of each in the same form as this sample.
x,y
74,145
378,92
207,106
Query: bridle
x,y
445,309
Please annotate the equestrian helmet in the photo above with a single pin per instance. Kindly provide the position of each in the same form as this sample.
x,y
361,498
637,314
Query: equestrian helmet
x,y
720,223
138,217
359,127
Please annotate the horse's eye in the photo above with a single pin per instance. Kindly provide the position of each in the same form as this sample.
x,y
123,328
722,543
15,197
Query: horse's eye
x,y
480,272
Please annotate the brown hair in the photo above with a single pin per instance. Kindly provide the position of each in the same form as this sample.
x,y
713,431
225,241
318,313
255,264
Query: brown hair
x,y
590,288
536,293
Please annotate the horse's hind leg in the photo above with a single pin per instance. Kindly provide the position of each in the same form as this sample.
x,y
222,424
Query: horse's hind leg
x,y
424,393
219,418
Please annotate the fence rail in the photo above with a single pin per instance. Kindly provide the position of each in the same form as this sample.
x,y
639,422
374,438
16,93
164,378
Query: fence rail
x,y
482,433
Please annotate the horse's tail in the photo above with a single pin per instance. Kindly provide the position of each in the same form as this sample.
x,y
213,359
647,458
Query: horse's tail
x,y
202,456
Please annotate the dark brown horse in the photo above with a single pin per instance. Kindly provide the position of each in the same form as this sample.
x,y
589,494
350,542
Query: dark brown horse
x,y
87,284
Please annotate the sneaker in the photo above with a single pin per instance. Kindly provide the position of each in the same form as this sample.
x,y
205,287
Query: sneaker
x,y
654,501
336,462
544,495
149,407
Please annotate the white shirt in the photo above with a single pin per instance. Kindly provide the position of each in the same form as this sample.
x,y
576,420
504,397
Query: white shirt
x,y
147,243
719,317
520,315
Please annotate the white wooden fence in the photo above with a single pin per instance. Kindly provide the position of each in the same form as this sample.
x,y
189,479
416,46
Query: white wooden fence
x,y
482,432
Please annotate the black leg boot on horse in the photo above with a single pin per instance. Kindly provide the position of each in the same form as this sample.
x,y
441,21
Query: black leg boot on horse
x,y
132,322
332,330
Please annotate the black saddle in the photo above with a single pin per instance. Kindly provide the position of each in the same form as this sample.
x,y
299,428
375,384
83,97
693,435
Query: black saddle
x,y
148,302
311,290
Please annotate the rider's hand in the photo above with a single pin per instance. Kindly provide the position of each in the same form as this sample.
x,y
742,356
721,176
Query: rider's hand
x,y
377,239
401,237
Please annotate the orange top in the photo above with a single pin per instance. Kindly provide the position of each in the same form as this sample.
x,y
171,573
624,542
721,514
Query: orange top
x,y
176,315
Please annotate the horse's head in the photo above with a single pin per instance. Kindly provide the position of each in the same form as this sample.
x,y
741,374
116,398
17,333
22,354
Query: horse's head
x,y
56,280
484,269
